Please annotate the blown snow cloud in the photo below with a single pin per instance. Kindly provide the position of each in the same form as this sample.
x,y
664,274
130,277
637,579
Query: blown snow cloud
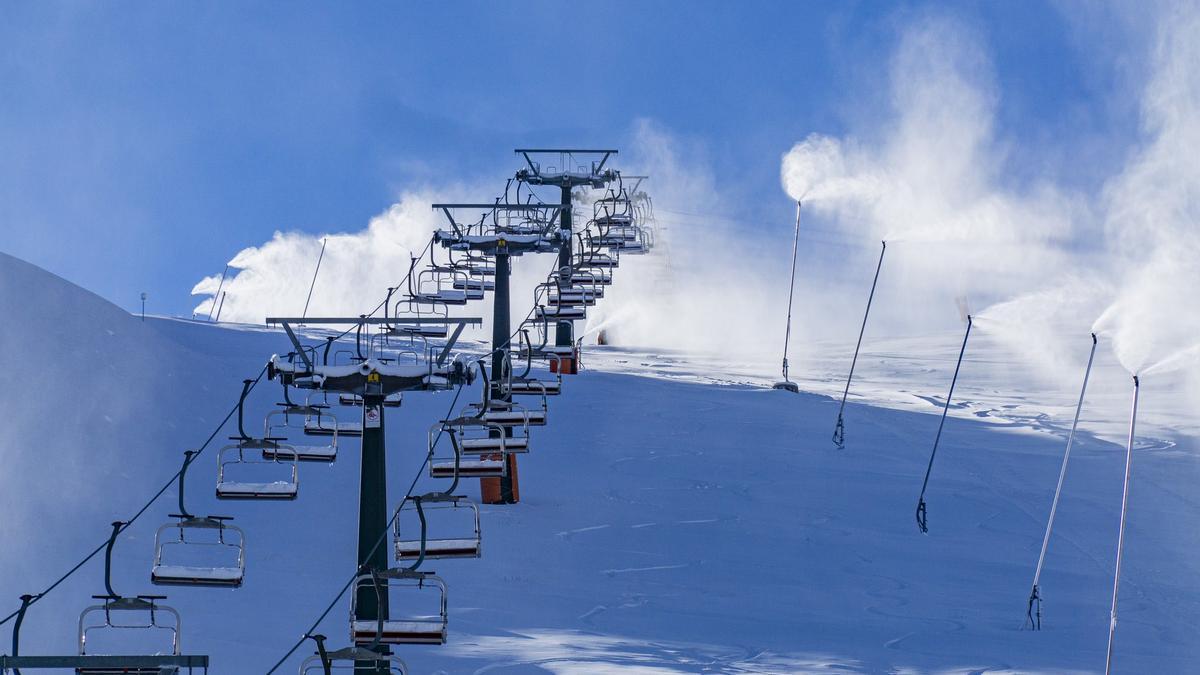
x,y
274,278
933,176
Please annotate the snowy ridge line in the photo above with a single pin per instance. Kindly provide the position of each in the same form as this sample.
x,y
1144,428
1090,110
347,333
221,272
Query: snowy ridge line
x,y
132,520
382,537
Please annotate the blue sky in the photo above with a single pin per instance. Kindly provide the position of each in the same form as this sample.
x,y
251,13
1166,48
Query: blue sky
x,y
143,144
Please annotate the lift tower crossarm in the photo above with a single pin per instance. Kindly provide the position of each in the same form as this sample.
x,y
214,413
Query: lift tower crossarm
x,y
497,207
597,177
459,323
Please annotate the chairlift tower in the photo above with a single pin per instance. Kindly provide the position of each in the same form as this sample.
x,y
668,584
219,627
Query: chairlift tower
x,y
496,236
567,175
372,380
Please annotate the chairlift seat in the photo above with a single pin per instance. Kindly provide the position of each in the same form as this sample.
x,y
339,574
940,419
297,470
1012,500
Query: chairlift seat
x,y
516,418
535,387
570,300
582,276
490,444
468,468
304,453
561,313
475,284
323,427
602,260
437,549
409,632
187,575
279,489
446,296
432,330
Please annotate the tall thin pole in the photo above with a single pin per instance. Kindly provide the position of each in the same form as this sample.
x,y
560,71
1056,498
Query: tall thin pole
x,y
787,336
839,430
314,279
1112,616
1034,595
221,307
218,293
921,520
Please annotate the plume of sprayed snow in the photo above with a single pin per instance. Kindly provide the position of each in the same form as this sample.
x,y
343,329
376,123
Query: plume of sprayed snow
x,y
929,179
697,290
1153,209
274,278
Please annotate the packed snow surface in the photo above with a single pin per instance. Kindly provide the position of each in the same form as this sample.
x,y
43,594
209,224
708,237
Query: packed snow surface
x,y
676,516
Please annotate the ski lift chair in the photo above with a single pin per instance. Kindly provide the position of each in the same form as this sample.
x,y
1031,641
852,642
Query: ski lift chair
x,y
437,286
409,628
236,460
219,546
142,615
198,550
453,519
523,384
303,452
491,464
427,310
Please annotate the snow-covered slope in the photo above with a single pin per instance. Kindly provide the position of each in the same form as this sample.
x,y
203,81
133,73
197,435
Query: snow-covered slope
x,y
668,523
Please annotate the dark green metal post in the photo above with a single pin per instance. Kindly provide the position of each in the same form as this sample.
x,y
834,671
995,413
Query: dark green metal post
x,y
372,516
564,331
501,333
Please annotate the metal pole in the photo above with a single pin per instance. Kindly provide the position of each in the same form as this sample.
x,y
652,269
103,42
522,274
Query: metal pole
x,y
921,521
839,430
372,605
221,307
1034,595
314,279
564,330
143,306
501,332
1112,617
787,336
219,287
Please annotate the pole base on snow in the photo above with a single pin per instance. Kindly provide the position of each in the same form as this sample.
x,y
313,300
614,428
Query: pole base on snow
x,y
839,433
1034,612
787,386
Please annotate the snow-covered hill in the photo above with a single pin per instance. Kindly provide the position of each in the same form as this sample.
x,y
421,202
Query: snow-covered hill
x,y
675,516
